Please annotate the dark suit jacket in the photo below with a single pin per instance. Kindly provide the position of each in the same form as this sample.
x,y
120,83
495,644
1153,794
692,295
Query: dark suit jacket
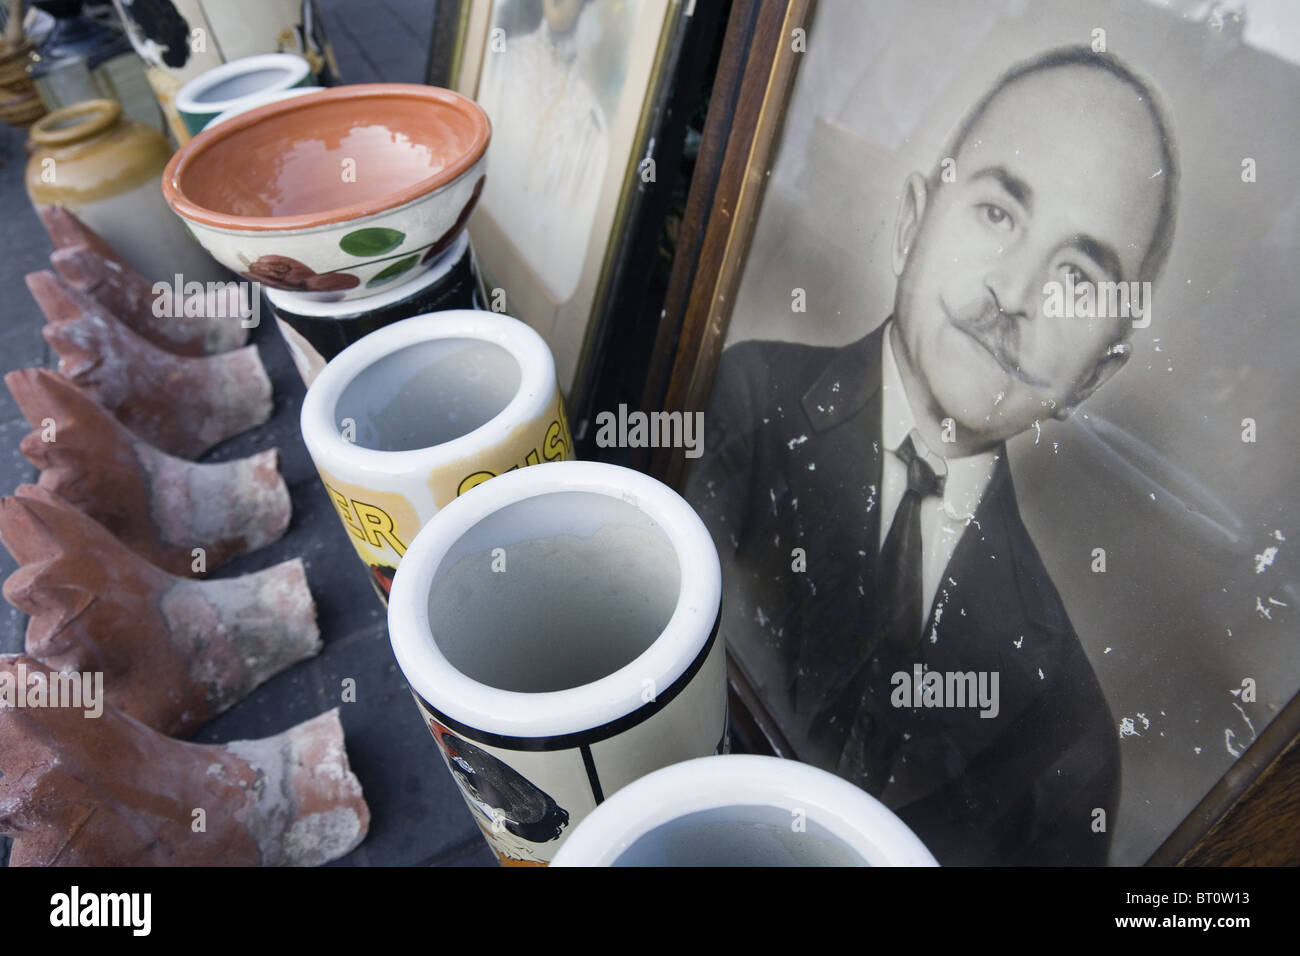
x,y
793,460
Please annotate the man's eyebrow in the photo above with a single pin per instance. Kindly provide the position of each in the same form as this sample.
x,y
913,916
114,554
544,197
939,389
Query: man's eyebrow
x,y
1015,187
1098,252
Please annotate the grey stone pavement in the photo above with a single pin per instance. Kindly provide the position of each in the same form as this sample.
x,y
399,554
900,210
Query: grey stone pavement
x,y
417,816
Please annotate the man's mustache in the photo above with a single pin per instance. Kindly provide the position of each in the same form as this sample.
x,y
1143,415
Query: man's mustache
x,y
997,331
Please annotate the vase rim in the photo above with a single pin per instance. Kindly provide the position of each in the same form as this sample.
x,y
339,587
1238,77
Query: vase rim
x,y
76,122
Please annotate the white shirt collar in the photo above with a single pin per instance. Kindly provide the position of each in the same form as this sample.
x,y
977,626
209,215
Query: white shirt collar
x,y
967,477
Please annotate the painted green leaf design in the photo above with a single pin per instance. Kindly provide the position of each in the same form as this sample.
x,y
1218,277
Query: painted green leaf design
x,y
391,272
374,241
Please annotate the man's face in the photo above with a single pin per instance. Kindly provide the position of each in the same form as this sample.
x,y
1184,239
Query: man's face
x,y
1060,176
561,14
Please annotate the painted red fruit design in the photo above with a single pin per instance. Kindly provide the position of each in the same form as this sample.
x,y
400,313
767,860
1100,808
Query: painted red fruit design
x,y
281,272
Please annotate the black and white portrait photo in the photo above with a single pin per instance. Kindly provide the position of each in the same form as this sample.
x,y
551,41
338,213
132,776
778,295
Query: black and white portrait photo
x,y
1000,454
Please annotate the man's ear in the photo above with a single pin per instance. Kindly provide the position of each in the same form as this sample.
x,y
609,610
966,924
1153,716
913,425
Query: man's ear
x,y
1110,363
910,212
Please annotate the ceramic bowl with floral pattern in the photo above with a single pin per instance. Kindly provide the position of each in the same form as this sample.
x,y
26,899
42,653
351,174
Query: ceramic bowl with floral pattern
x,y
338,194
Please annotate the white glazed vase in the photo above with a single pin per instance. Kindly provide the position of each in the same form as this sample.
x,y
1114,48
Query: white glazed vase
x,y
406,419
558,627
743,810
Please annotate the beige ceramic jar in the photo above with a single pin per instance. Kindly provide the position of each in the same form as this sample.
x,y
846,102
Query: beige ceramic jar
x,y
107,169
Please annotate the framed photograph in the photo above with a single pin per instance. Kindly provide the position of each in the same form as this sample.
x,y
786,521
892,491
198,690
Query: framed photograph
x,y
989,324
571,89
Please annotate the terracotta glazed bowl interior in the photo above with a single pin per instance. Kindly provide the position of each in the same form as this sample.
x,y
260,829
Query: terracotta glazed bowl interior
x,y
328,157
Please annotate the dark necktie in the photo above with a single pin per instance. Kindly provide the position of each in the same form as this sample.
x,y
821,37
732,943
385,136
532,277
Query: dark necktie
x,y
900,570
859,717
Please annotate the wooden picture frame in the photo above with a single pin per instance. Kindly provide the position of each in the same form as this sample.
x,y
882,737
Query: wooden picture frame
x,y
446,41
1250,816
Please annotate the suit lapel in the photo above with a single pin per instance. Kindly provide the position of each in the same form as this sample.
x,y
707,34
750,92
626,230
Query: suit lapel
x,y
847,385
985,532
841,507
996,548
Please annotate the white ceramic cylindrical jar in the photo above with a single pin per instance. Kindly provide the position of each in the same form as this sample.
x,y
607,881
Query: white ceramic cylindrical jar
x,y
743,810
558,626
403,421
238,86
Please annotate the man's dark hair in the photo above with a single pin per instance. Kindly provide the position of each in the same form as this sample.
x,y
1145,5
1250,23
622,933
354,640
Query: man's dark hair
x,y
1154,260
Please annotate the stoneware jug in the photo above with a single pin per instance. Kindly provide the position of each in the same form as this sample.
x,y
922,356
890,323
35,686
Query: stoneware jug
x,y
108,170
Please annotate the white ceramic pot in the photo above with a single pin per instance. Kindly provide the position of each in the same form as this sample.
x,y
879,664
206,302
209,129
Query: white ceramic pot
x,y
435,214
403,421
232,85
558,626
179,39
259,99
743,810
